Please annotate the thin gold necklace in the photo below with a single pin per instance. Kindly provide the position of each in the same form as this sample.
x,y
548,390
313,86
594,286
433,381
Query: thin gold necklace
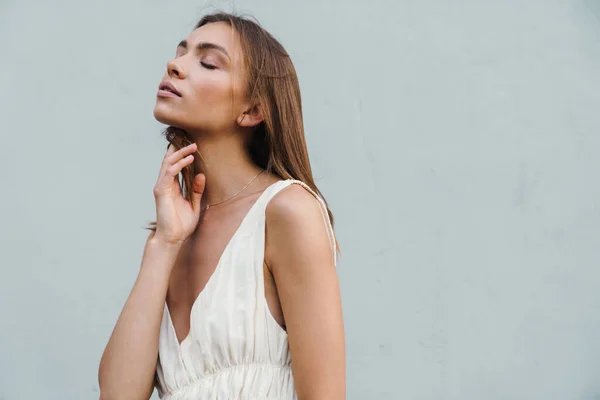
x,y
235,194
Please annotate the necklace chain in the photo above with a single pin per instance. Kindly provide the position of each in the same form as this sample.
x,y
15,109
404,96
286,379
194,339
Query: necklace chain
x,y
235,194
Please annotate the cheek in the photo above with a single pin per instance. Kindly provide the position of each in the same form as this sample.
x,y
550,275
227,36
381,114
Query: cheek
x,y
216,101
212,90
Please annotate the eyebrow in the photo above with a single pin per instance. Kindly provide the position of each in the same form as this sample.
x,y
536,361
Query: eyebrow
x,y
205,46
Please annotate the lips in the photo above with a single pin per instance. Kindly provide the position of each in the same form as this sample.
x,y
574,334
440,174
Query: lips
x,y
168,87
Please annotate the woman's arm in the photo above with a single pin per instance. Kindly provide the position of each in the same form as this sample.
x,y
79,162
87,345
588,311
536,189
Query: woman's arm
x,y
301,259
128,364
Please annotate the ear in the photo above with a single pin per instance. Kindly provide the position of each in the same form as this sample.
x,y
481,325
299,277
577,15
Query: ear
x,y
251,117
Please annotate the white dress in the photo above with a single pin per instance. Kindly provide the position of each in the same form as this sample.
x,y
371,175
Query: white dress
x,y
235,349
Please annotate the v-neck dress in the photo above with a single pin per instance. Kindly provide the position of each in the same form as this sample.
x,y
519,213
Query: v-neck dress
x,y
235,349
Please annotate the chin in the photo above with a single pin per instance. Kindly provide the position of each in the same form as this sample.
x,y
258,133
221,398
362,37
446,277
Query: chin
x,y
175,118
166,116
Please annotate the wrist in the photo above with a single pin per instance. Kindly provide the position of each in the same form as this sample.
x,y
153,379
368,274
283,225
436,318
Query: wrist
x,y
160,255
157,241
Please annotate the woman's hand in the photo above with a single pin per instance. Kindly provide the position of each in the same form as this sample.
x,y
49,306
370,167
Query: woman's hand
x,y
176,218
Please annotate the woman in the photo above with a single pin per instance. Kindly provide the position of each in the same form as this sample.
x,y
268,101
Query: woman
x,y
237,295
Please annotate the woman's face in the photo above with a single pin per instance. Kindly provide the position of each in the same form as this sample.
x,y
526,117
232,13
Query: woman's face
x,y
204,87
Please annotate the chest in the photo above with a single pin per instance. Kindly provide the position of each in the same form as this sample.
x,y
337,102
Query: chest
x,y
218,232
200,256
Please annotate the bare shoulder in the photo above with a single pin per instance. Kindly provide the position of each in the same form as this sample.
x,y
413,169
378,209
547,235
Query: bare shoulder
x,y
297,231
294,206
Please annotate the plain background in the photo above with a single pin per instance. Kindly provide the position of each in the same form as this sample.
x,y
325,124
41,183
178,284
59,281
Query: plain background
x,y
456,141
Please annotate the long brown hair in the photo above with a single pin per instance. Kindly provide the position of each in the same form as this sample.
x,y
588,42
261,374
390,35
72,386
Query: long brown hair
x,y
278,144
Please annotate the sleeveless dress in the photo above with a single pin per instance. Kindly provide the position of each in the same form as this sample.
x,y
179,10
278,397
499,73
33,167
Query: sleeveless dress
x,y
235,349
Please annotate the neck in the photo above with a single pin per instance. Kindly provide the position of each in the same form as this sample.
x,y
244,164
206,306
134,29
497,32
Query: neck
x,y
227,166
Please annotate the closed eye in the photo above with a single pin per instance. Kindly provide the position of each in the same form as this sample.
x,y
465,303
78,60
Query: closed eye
x,y
207,66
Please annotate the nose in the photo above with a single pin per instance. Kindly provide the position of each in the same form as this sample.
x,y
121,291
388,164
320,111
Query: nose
x,y
174,70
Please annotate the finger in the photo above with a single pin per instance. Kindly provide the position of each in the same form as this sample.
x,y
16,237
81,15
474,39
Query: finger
x,y
174,170
199,185
174,155
181,153
170,150
170,178
177,184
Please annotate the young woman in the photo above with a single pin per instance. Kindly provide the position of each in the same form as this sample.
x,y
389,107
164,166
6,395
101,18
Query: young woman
x,y
237,295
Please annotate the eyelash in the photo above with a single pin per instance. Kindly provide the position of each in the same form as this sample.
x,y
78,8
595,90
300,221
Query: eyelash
x,y
207,66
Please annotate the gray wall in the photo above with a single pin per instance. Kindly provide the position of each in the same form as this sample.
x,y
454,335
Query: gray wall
x,y
456,142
